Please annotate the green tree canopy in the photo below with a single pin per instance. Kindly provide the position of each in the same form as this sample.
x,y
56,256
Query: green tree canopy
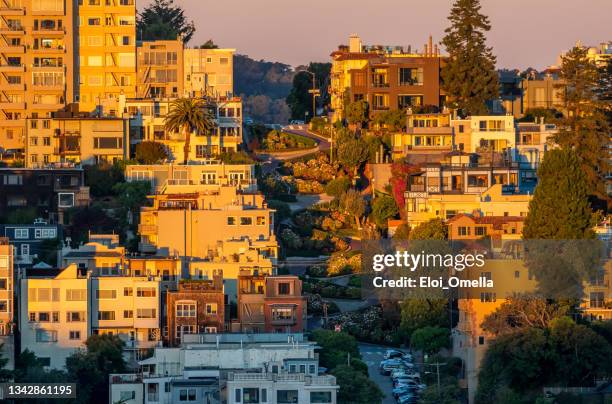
x,y
433,229
357,113
299,99
352,154
337,186
333,342
420,313
353,204
430,340
163,20
149,152
469,76
383,208
355,387
584,128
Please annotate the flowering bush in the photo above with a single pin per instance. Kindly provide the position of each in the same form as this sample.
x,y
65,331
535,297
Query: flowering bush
x,y
318,168
342,264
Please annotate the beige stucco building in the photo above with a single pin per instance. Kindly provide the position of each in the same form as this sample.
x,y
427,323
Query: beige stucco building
x,y
76,139
107,51
209,72
37,68
7,305
160,69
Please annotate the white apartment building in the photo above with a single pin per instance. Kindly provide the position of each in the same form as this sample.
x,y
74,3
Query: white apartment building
x,y
59,312
484,134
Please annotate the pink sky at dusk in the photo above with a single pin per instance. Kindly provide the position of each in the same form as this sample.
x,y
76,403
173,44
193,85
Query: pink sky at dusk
x,y
524,32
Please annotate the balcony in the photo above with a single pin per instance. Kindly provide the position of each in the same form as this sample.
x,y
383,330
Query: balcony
x,y
12,105
49,106
12,30
438,130
17,68
284,321
12,123
12,87
12,49
67,152
49,31
11,10
49,49
48,67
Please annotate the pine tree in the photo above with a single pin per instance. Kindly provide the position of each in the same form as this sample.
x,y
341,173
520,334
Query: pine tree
x,y
560,209
585,128
469,76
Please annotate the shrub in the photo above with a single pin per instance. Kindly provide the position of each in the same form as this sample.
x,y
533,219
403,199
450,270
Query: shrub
x,y
338,186
148,152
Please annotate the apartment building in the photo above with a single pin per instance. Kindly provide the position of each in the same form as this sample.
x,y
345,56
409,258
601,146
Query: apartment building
x,y
31,242
200,367
37,66
209,72
470,341
425,133
107,51
387,77
210,176
50,190
486,134
7,305
160,69
534,140
147,118
60,310
541,91
179,224
267,387
76,139
197,307
270,303
498,229
100,259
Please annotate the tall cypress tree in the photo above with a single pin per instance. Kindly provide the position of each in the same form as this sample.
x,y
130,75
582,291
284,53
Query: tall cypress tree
x,y
469,77
584,127
560,209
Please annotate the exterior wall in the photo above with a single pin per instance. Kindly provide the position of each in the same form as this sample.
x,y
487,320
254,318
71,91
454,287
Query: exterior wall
x,y
160,69
209,314
7,304
352,77
77,141
541,94
424,132
52,339
284,308
499,139
169,178
533,142
27,240
147,123
244,386
209,72
107,45
37,72
470,341
464,227
50,190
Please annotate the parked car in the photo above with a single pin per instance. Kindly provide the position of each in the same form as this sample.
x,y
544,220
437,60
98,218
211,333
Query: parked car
x,y
407,399
296,122
393,353
386,369
402,390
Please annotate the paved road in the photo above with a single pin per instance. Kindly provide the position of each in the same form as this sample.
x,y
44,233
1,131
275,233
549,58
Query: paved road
x,y
324,143
372,355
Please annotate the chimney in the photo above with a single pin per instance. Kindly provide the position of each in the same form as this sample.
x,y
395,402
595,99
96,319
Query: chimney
x,y
430,46
354,43
436,50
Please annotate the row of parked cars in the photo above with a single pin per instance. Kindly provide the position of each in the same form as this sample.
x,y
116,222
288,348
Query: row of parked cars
x,y
404,374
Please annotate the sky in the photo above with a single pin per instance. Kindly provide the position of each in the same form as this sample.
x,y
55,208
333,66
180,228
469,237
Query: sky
x,y
525,33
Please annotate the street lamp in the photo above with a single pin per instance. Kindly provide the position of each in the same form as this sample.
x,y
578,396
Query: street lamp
x,y
314,91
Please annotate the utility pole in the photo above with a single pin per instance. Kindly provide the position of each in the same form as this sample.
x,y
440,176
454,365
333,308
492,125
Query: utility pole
x,y
314,91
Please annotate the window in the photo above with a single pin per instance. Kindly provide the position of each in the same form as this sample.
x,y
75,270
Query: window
x,y
284,288
187,394
93,21
380,101
320,397
127,395
246,221
596,300
22,233
76,295
3,283
128,292
312,369
186,310
463,231
488,297
223,61
237,395
128,314
411,76
55,316
75,316
210,330
106,315
264,395
481,340
461,129
231,221
4,306
108,143
32,317
74,335
145,292
184,329
65,200
250,395
517,274
261,220
211,308
25,249
480,230
145,313
106,294
46,336
282,313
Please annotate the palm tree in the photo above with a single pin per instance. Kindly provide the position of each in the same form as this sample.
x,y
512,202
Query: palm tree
x,y
189,115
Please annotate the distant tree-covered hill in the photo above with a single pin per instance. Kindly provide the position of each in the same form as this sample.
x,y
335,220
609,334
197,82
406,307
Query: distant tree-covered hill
x,y
263,86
